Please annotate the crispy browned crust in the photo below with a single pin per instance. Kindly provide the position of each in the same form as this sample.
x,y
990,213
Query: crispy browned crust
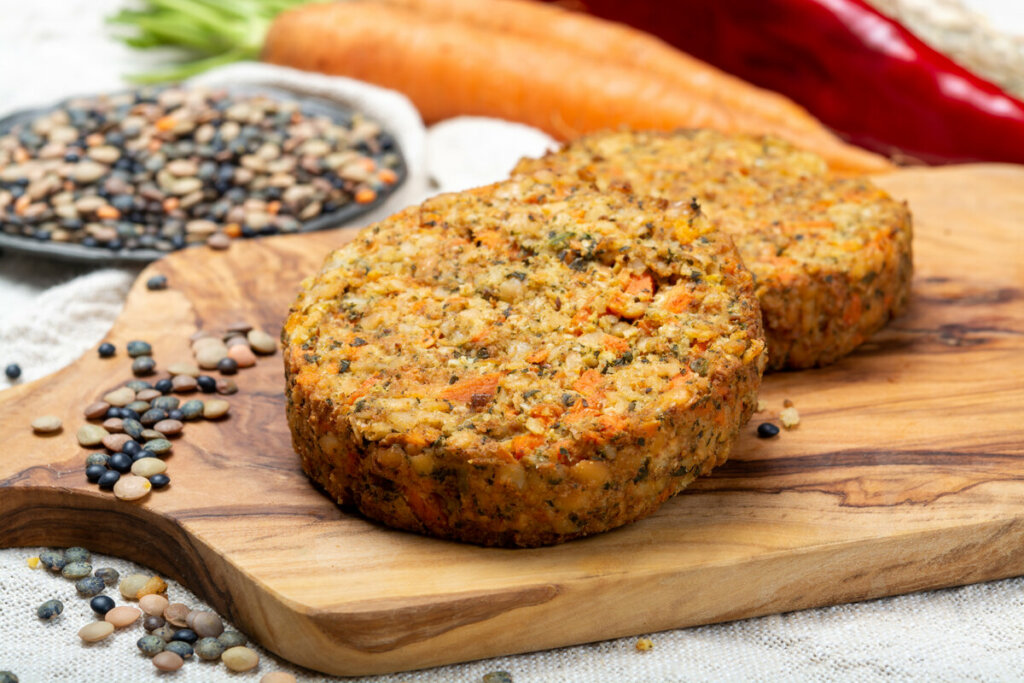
x,y
581,441
831,256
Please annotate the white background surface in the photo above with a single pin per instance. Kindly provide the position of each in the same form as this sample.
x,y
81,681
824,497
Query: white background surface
x,y
52,48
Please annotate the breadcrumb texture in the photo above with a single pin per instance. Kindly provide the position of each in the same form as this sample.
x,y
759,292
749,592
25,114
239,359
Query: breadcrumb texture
x,y
524,363
831,256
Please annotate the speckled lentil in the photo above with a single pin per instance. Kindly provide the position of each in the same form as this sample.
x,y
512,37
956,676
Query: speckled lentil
x,y
231,639
50,610
89,586
180,648
108,574
53,560
150,645
139,348
76,570
165,632
192,410
143,365
208,648
8,677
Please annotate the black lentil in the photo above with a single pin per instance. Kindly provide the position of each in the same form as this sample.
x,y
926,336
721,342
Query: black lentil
x,y
107,350
767,430
109,478
180,648
94,472
157,282
139,348
158,481
13,371
152,622
207,384
50,610
186,635
164,386
131,447
121,462
176,415
102,604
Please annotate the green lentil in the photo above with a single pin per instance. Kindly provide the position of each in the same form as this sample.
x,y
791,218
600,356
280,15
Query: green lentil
x,y
180,648
53,559
132,427
89,586
497,677
138,406
150,645
143,365
109,575
167,403
192,410
159,446
76,570
50,610
209,648
138,385
96,459
139,348
8,677
231,639
77,554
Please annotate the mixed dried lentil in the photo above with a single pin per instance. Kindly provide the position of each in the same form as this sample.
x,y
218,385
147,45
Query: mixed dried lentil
x,y
159,169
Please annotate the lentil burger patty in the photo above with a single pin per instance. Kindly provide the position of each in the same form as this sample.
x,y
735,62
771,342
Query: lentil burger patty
x,y
524,363
831,256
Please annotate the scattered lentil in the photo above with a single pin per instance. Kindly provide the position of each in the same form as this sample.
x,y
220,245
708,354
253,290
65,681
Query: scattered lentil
x,y
183,384
108,574
101,604
208,648
53,560
148,467
231,639
169,427
240,658
91,435
216,408
148,395
76,570
164,386
767,430
152,622
156,283
50,610
97,459
207,384
132,428
497,677
131,584
8,677
159,481
109,479
159,446
207,624
176,614
185,634
278,677
190,369
138,406
13,371
106,350
89,586
644,644
114,425
137,385
227,387
132,487
152,416
139,348
165,632
150,645
94,472
77,554
227,366
153,604
239,327
180,648
95,631
47,424
143,365
242,356
209,356
120,397
168,661
192,410
122,616
116,442
151,434
120,462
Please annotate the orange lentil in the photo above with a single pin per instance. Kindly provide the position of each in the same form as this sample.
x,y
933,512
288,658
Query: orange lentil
x,y
21,203
387,176
233,230
365,195
273,207
154,145
107,211
171,203
368,164
21,155
166,123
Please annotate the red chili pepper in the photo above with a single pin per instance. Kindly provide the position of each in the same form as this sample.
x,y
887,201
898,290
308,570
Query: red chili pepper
x,y
859,72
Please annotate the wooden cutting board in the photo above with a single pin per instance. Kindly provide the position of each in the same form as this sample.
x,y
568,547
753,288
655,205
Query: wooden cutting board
x,y
906,473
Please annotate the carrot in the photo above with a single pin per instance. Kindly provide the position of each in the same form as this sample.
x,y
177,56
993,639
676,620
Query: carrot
x,y
589,385
538,356
524,444
449,68
479,389
751,108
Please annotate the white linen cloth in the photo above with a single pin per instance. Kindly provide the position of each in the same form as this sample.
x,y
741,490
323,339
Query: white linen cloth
x,y
51,313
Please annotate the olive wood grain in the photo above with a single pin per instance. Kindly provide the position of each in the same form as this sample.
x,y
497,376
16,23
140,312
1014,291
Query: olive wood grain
x,y
906,473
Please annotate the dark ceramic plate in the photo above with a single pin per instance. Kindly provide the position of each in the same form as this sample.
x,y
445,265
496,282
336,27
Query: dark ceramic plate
x,y
63,251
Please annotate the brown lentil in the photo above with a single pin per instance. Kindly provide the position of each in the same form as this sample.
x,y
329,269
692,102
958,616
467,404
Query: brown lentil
x,y
167,661
240,658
